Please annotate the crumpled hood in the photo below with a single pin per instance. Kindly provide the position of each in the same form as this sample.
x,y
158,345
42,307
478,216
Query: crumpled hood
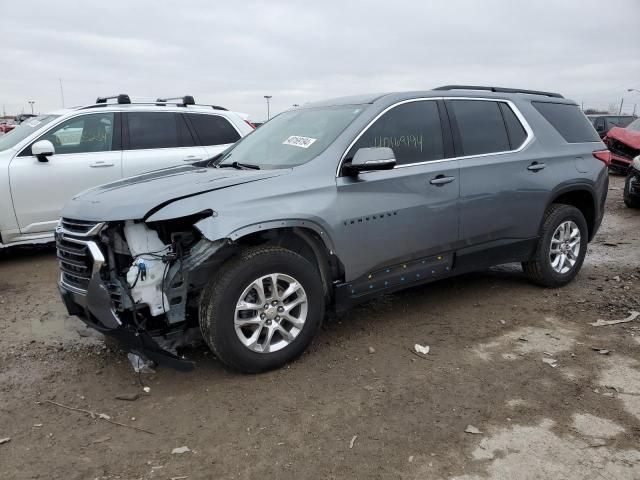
x,y
133,198
626,136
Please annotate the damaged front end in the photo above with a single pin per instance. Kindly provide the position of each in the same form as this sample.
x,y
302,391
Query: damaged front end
x,y
137,282
624,145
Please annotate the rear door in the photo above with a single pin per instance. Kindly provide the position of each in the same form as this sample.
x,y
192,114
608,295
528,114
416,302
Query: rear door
x,y
87,154
410,212
154,140
214,132
504,184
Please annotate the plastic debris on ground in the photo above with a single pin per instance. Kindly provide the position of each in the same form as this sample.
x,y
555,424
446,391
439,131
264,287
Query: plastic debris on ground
x,y
139,364
423,349
180,450
552,362
601,323
473,430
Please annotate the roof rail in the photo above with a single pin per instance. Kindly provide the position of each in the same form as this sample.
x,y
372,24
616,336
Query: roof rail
x,y
499,89
122,98
186,100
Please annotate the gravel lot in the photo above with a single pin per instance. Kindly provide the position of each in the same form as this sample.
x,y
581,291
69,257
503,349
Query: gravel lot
x,y
340,411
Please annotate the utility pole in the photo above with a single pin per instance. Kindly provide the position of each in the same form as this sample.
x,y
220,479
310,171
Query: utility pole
x,y
621,102
31,102
61,92
267,98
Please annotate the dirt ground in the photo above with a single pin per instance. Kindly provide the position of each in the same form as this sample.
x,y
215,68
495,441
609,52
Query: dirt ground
x,y
340,411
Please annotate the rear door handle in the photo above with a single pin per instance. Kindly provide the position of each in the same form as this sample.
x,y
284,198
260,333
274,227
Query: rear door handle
x,y
192,158
101,164
441,180
536,167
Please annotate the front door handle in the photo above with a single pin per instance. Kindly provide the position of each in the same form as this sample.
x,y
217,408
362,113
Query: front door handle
x,y
441,180
536,167
192,158
101,164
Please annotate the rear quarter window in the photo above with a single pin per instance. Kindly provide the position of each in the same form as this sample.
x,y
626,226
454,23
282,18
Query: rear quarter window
x,y
568,120
213,129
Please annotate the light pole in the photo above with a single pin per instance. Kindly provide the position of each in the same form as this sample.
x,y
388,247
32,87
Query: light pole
x,y
267,98
31,102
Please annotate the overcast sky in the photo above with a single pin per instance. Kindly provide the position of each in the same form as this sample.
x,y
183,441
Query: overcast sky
x,y
234,53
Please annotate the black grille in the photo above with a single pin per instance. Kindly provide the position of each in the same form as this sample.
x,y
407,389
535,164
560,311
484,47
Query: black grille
x,y
116,295
623,150
75,262
77,226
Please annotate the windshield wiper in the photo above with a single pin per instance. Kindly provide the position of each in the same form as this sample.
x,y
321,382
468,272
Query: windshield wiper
x,y
239,166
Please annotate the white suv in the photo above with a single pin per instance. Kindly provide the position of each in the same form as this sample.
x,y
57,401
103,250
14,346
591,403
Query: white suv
x,y
50,158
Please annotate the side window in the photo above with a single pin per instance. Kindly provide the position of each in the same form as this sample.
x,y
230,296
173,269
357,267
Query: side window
x,y
153,130
412,130
515,130
213,129
84,134
613,122
481,127
568,120
624,121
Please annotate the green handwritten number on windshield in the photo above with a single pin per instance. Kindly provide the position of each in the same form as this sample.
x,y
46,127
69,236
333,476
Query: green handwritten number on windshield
x,y
399,141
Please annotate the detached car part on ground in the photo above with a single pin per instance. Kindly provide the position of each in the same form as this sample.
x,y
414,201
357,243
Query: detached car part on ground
x,y
327,206
632,185
624,144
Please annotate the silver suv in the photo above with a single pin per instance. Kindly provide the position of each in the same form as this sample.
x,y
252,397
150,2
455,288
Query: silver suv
x,y
326,206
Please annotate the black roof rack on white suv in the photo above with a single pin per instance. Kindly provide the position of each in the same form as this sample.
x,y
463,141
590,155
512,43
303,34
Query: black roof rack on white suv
x,y
499,89
124,99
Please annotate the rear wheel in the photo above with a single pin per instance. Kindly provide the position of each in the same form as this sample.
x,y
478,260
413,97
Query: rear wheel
x,y
629,201
263,309
561,248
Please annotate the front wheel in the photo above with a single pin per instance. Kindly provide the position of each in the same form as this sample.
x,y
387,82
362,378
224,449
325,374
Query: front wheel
x,y
561,248
263,309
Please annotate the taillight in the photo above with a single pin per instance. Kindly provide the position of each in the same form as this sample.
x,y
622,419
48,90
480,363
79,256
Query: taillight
x,y
250,124
603,156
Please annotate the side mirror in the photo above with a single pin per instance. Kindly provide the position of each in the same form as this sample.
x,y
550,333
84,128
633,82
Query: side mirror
x,y
42,149
374,158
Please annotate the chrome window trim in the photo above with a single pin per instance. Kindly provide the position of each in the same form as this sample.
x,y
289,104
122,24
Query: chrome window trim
x,y
514,109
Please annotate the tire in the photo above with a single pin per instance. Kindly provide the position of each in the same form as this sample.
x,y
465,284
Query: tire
x,y
540,269
630,201
218,312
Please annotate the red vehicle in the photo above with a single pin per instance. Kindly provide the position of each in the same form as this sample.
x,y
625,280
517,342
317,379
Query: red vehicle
x,y
624,145
7,127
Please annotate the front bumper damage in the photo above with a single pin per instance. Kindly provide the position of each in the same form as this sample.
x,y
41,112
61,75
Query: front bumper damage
x,y
96,310
123,281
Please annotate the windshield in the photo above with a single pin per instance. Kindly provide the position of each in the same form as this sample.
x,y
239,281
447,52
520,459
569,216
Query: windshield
x,y
634,126
292,138
23,130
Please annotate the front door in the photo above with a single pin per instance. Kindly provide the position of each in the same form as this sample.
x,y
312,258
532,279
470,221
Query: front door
x,y
87,154
406,214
